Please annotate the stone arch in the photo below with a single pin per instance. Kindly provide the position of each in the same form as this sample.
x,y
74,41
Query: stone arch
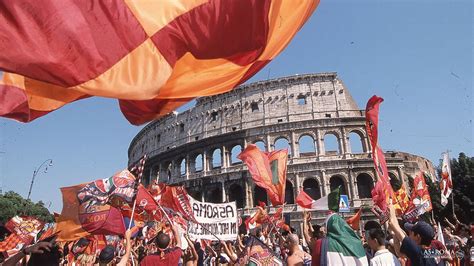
x,y
195,193
213,195
338,180
236,150
365,184
261,145
395,182
166,171
259,194
356,142
331,144
182,167
236,193
216,158
311,187
306,145
282,143
197,162
289,194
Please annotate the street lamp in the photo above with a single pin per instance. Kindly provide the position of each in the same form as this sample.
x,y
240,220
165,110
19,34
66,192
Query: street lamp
x,y
47,163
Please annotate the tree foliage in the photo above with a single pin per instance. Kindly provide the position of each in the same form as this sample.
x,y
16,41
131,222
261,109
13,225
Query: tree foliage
x,y
11,204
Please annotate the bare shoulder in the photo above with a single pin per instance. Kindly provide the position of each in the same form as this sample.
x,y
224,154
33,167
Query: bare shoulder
x,y
294,260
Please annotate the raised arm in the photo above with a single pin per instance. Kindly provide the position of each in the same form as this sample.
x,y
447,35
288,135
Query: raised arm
x,y
307,229
128,248
398,233
177,238
38,248
452,226
193,250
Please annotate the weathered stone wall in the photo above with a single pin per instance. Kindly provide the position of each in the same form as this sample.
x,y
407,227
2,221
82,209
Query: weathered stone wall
x,y
198,148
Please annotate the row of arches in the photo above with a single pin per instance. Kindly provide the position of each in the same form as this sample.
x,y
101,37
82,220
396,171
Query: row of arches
x,y
306,146
311,186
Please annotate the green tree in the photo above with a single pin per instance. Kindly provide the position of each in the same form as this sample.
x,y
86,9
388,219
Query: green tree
x,y
11,204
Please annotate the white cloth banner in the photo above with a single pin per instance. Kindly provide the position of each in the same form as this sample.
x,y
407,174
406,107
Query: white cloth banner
x,y
219,219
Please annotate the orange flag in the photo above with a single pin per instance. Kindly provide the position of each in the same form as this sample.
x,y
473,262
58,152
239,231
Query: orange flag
x,y
153,56
268,170
87,207
354,221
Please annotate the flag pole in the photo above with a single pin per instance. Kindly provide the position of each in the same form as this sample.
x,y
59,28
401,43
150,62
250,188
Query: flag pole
x,y
452,202
139,171
133,212
450,176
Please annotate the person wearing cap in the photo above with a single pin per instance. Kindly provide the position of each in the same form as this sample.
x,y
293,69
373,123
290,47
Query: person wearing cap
x,y
418,239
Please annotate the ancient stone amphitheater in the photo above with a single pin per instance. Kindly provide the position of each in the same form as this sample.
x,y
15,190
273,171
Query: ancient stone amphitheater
x,y
312,115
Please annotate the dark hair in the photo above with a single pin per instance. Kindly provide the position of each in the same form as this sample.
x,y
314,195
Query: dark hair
x,y
162,240
372,225
316,230
47,258
377,234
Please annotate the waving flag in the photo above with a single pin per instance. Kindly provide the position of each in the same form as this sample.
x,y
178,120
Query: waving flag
x,y
23,231
446,183
152,55
89,208
420,199
176,198
256,253
342,246
326,203
382,190
268,170
354,221
257,219
402,200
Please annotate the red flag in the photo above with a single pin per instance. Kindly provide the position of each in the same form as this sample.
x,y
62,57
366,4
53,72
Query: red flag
x,y
304,200
256,219
87,208
383,187
268,170
420,199
153,56
145,200
23,231
12,244
354,221
278,221
176,198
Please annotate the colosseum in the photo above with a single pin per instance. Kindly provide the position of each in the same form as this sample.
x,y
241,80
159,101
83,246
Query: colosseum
x,y
313,115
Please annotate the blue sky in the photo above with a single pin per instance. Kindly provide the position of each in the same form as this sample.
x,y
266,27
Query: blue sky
x,y
417,55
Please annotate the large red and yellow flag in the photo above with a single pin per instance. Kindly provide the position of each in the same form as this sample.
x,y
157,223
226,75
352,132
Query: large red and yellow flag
x,y
151,55
87,208
268,170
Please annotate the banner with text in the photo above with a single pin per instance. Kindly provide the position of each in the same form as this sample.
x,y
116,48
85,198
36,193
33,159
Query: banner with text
x,y
219,219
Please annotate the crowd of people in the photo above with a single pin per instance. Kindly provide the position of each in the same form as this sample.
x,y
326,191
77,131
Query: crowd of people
x,y
392,243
